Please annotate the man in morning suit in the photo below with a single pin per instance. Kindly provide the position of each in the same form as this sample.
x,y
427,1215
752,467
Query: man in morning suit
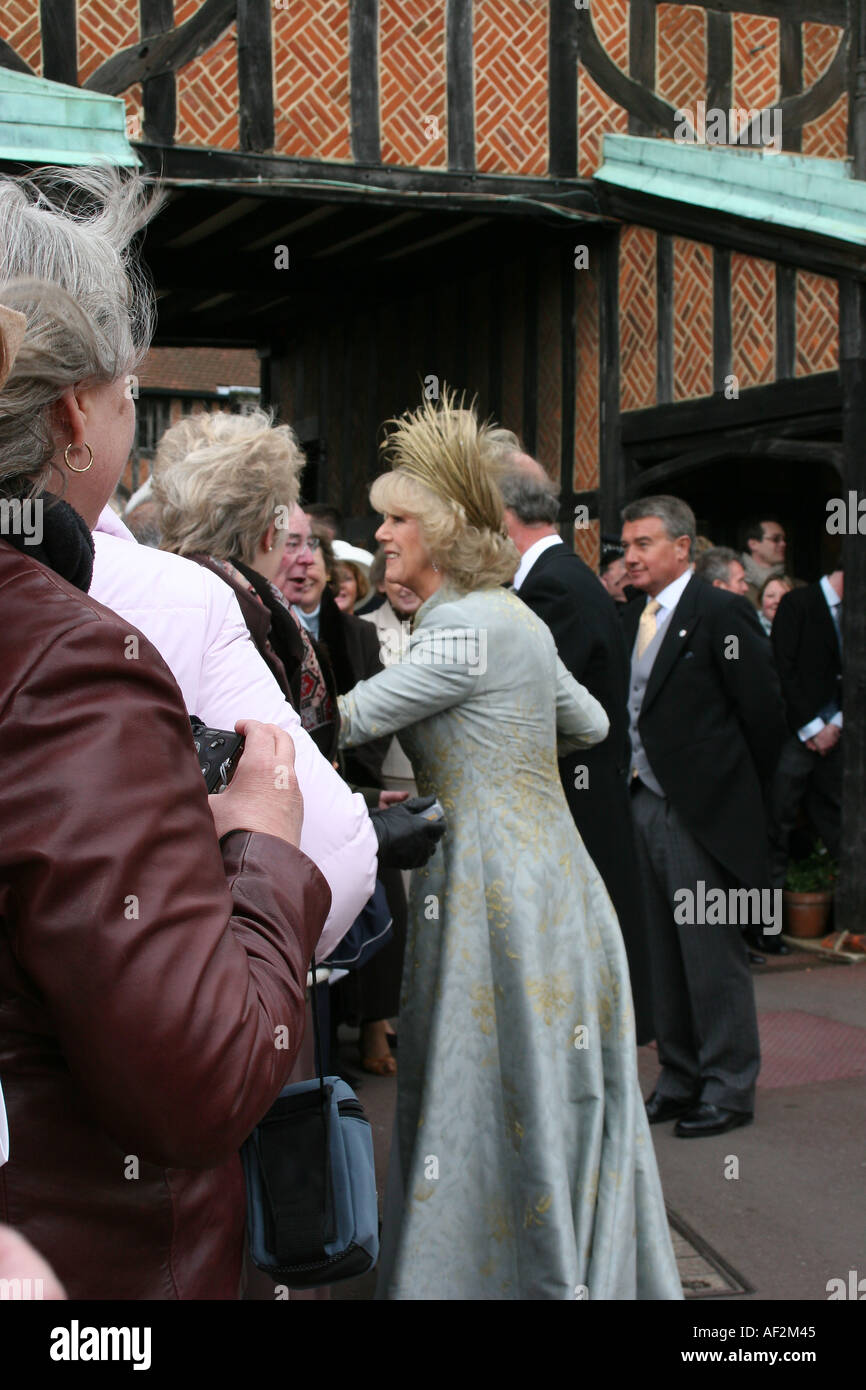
x,y
706,728
563,591
807,645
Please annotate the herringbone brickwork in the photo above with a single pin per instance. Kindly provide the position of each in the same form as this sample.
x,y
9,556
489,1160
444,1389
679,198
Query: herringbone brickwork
x,y
597,113
412,82
681,46
820,42
311,79
756,61
134,101
510,55
104,26
586,411
587,544
753,320
826,137
549,433
207,96
22,30
637,318
693,319
817,323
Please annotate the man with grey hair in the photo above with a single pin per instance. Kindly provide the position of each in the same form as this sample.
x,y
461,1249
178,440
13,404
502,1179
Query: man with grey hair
x,y
721,567
706,730
563,591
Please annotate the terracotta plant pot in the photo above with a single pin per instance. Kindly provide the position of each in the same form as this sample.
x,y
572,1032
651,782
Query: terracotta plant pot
x,y
806,914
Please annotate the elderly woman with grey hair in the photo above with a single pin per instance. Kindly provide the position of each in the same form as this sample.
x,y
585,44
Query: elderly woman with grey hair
x,y
150,943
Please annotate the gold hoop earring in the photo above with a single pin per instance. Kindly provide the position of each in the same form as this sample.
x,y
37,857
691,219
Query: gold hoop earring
x,y
71,466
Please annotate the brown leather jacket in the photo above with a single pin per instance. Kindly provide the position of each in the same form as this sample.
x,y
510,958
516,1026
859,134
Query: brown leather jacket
x,y
151,979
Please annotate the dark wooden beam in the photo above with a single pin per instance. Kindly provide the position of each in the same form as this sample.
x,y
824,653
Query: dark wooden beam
x,y
754,238
165,52
282,177
857,89
819,11
461,87
756,405
786,322
851,888
562,90
364,80
722,339
642,55
720,60
255,75
612,477
495,321
159,93
791,77
59,41
530,356
727,447
12,60
665,328
568,388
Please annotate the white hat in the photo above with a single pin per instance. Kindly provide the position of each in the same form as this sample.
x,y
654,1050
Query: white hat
x,y
344,551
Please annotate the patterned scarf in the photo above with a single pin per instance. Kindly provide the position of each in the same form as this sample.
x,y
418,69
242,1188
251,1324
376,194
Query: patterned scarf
x,y
317,707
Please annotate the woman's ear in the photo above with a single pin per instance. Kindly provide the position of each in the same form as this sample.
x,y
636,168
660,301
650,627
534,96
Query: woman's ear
x,y
269,538
69,418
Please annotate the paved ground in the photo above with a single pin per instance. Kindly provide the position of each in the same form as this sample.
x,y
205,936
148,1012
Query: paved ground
x,y
795,1216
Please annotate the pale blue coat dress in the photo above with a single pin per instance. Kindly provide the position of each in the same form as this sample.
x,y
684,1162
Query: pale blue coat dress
x,y
524,1163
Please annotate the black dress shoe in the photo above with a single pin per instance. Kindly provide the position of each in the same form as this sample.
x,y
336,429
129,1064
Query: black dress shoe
x,y
755,959
661,1108
709,1119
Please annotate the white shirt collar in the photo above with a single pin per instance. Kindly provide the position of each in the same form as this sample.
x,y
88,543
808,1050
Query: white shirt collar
x,y
671,595
829,592
529,557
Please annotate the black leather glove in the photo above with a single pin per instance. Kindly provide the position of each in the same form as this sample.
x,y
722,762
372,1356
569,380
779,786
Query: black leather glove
x,y
406,839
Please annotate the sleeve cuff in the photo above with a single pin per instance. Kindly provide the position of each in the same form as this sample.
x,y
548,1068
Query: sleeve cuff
x,y
810,730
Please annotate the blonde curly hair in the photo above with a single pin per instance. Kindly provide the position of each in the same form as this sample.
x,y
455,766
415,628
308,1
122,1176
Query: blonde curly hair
x,y
221,480
444,474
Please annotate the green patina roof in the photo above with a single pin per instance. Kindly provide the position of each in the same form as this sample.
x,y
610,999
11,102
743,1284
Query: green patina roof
x,y
791,190
45,122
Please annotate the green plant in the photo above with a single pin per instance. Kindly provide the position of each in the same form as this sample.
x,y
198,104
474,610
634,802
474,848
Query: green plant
x,y
814,874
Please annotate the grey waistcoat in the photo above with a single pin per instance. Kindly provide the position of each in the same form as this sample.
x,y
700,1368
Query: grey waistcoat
x,y
640,674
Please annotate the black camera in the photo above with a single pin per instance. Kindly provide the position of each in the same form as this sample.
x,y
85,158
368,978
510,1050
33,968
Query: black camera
x,y
219,753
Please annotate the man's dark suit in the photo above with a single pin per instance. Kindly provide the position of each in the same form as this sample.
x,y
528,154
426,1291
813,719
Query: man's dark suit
x,y
711,727
567,596
809,661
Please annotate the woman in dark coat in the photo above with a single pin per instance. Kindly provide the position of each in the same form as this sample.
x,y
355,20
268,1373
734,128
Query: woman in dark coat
x,y
144,962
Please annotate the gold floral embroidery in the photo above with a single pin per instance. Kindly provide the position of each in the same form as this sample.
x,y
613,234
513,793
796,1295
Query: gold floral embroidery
x,y
483,1009
550,995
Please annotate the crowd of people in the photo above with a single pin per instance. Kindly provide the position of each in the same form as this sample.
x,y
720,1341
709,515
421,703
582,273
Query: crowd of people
x,y
593,758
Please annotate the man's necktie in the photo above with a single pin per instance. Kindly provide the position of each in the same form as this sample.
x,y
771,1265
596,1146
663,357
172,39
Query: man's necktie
x,y
646,630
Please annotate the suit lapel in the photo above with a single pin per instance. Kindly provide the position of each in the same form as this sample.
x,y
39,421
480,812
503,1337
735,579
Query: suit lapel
x,y
680,626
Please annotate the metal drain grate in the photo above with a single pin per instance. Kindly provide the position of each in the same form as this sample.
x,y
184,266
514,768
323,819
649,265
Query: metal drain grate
x,y
703,1272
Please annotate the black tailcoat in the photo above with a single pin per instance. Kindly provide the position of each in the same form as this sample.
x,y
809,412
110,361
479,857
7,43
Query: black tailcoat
x,y
712,723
